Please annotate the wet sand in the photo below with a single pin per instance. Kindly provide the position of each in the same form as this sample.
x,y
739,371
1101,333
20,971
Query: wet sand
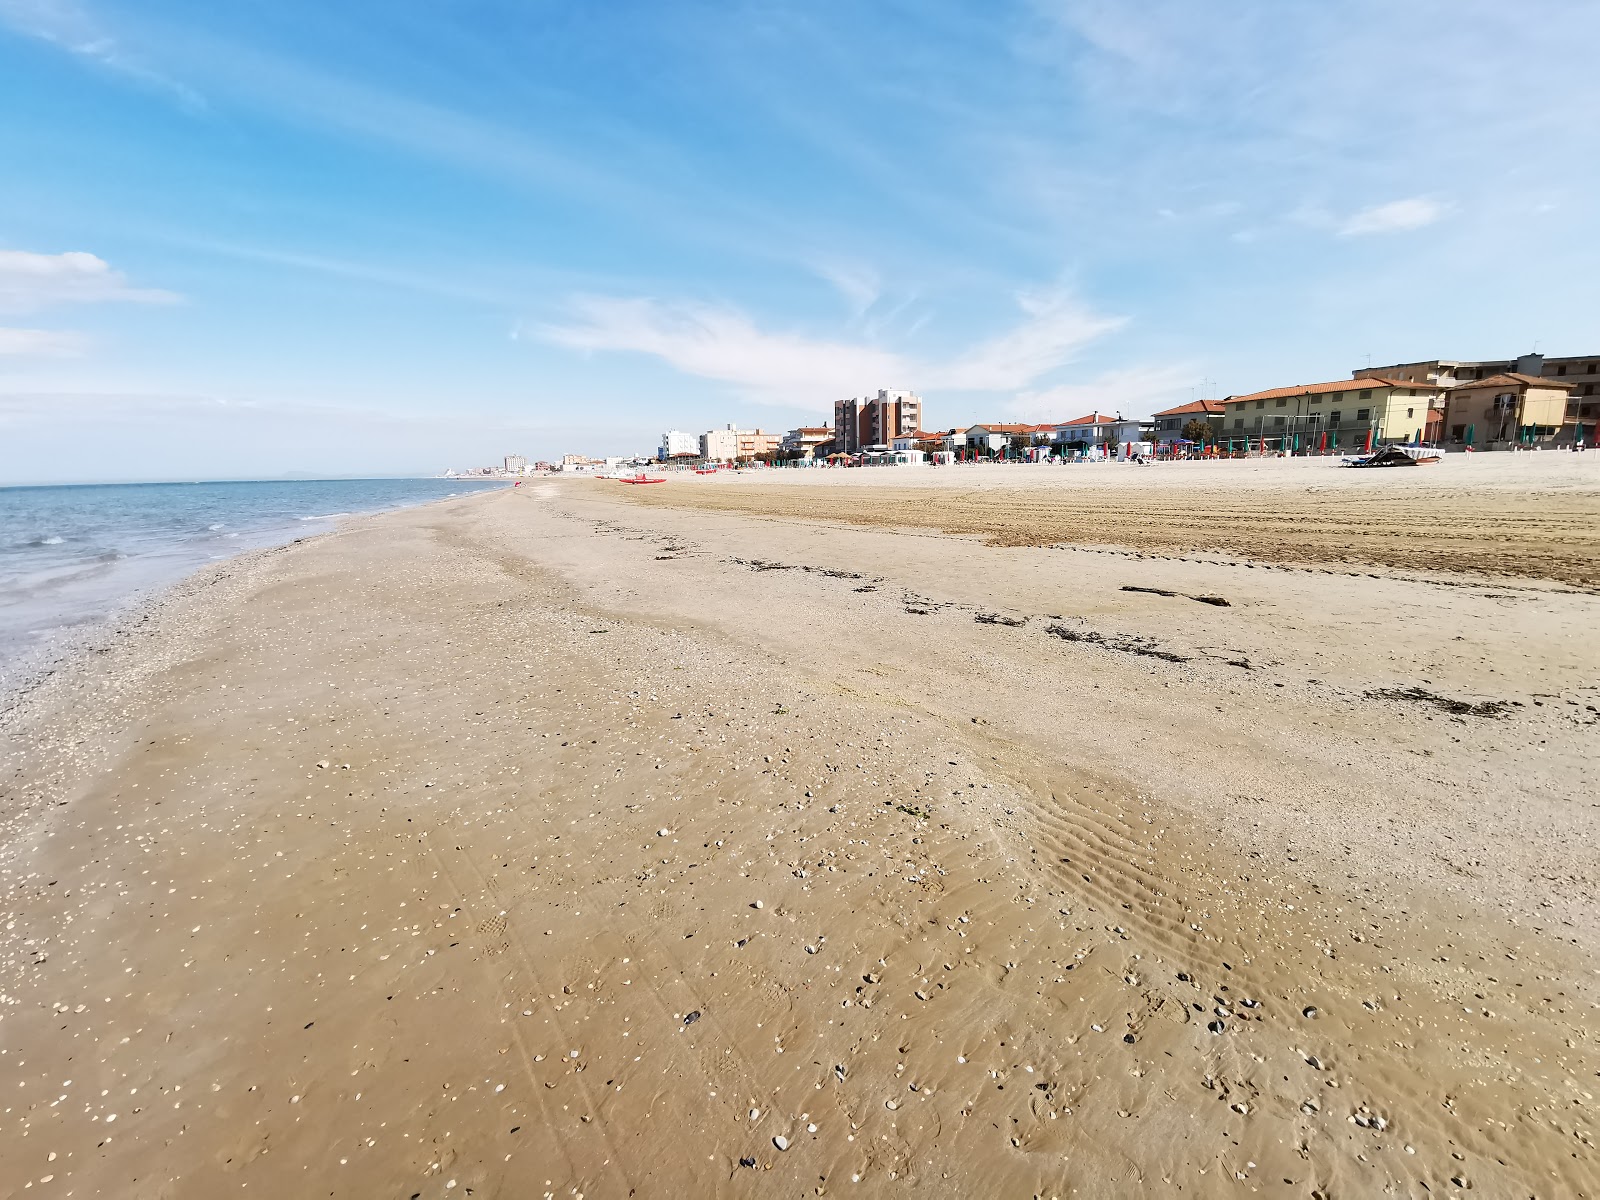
x,y
562,841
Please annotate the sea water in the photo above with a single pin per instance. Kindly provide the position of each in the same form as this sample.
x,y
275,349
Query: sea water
x,y
74,555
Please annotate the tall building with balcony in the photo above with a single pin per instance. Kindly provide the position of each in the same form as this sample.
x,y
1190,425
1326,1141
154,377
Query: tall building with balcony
x,y
516,464
875,420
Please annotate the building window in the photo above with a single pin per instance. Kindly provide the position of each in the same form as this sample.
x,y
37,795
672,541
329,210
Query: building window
x,y
1458,432
1238,422
1562,369
1335,397
1277,421
1363,414
1410,412
1333,417
1366,394
1281,401
1261,403
1316,400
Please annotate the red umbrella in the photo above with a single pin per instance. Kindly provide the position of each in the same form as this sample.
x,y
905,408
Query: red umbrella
x,y
1263,443
1322,445
1368,450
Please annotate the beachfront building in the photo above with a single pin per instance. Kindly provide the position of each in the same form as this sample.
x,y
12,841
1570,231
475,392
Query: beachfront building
x,y
720,445
1096,429
516,464
1170,423
1581,421
678,446
804,441
1344,414
1507,410
996,438
875,420
754,444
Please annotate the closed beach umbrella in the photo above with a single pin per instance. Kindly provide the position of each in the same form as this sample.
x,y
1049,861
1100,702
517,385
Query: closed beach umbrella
x,y
1322,442
1471,429
1297,443
1263,444
1368,448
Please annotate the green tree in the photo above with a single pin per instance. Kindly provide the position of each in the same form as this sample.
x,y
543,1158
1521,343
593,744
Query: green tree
x,y
1199,431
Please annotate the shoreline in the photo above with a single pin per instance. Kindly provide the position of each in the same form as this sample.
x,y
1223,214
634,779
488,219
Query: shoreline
x,y
26,665
429,850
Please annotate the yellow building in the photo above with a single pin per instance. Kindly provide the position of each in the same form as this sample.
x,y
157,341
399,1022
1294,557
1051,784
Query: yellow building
x,y
1346,410
1507,410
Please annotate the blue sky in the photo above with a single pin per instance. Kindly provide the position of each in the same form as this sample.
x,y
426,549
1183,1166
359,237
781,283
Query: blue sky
x,y
252,239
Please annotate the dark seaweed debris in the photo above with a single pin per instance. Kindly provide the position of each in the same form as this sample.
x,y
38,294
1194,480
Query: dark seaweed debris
x,y
1126,645
1459,708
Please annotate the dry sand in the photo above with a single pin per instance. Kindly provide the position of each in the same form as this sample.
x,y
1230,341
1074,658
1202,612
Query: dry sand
x,y
569,841
1504,514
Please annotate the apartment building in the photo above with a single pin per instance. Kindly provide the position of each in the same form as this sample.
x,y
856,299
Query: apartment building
x,y
875,420
754,444
1505,410
720,445
1580,422
516,464
677,444
1350,411
803,442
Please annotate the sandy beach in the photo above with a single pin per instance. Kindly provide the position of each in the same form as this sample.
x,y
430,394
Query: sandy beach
x,y
1211,829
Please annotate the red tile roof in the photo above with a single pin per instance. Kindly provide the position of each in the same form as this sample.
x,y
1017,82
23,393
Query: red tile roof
x,y
1006,428
1212,408
1096,418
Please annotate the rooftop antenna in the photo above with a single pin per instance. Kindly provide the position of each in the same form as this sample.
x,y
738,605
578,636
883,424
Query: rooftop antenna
x,y
1369,362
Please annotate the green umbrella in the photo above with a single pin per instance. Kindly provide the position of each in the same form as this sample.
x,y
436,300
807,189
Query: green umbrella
x,y
1471,429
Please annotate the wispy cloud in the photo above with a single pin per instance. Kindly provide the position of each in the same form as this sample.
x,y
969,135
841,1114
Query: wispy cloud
x,y
724,344
858,284
1134,391
1397,216
29,282
40,343
1056,327
71,27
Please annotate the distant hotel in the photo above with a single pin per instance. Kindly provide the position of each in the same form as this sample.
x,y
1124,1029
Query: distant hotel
x,y
875,421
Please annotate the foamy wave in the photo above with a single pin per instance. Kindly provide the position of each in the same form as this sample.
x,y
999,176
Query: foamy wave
x,y
325,516
217,526
49,541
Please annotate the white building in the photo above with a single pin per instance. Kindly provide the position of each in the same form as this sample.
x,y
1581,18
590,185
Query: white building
x,y
677,444
516,464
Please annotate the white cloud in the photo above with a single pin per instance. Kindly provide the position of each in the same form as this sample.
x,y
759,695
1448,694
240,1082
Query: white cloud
x,y
31,281
1132,391
40,343
1057,326
1396,216
724,344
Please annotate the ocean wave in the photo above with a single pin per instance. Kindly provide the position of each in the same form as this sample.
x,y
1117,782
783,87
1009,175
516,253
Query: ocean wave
x,y
49,541
325,516
217,526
